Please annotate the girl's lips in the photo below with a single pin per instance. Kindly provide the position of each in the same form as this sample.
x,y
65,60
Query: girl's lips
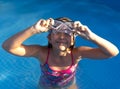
x,y
61,43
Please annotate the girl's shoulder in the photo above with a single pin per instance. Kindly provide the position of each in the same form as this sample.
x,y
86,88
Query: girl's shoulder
x,y
42,53
77,55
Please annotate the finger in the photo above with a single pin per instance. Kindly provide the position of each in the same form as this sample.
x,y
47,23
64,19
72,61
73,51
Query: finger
x,y
51,21
77,24
39,22
86,27
82,28
47,22
78,32
43,22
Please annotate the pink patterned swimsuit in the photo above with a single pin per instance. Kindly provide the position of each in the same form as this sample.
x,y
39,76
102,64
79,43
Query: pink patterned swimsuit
x,y
53,78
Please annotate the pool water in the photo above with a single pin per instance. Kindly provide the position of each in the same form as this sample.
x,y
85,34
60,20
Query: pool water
x,y
102,17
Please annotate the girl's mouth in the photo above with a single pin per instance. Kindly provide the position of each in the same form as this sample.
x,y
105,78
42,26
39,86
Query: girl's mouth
x,y
62,41
62,45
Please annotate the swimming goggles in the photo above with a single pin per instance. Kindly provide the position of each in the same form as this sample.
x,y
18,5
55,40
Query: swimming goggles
x,y
64,27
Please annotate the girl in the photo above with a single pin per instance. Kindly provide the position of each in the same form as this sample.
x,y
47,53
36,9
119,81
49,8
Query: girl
x,y
60,58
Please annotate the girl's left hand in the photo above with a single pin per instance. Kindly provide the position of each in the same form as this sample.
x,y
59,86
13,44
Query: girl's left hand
x,y
82,30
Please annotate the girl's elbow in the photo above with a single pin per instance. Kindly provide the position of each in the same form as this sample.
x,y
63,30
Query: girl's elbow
x,y
5,46
114,53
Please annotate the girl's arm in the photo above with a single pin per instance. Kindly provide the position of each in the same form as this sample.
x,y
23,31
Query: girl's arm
x,y
105,48
15,44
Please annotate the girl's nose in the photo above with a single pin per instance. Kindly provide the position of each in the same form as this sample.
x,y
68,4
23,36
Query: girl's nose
x,y
62,35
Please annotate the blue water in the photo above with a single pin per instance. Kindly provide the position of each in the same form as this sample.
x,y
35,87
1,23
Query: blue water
x,y
102,17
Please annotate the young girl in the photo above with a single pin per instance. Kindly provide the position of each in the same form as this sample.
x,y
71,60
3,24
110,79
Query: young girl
x,y
60,58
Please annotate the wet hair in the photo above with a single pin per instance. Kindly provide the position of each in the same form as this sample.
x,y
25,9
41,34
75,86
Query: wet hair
x,y
63,19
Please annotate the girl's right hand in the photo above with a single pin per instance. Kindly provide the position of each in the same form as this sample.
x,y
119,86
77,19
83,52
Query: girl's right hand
x,y
43,25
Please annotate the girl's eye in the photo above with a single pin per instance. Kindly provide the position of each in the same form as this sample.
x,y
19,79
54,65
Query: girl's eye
x,y
62,34
67,34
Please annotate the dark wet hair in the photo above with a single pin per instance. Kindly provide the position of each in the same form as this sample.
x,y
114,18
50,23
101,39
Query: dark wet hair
x,y
63,19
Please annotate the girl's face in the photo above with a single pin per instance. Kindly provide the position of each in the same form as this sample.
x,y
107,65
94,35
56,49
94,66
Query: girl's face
x,y
60,40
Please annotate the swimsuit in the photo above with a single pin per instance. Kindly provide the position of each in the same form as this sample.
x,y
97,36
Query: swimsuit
x,y
54,78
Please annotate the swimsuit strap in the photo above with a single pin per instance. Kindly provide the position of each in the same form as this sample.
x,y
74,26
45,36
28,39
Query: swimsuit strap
x,y
49,53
